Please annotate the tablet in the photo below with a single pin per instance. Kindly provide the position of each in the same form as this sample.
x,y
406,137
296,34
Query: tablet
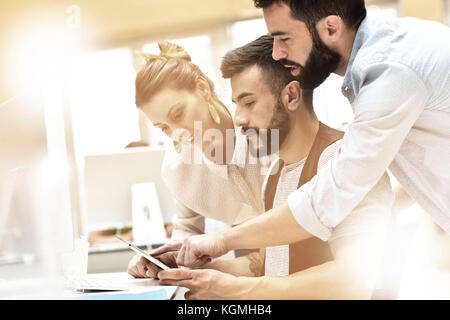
x,y
144,254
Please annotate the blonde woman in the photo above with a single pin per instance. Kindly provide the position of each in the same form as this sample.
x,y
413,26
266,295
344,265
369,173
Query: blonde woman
x,y
208,171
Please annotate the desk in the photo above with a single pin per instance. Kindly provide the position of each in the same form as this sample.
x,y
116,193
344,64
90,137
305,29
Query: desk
x,y
52,288
137,286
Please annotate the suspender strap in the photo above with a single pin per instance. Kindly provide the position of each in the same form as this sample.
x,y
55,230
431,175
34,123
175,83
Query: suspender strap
x,y
313,251
307,253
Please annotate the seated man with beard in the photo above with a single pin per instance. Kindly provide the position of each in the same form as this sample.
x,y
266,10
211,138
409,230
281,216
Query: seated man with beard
x,y
267,96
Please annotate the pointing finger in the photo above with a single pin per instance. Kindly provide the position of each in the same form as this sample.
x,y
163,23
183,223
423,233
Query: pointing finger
x,y
166,248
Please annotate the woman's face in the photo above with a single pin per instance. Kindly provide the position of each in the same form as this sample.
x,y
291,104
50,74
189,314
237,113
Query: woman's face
x,y
178,113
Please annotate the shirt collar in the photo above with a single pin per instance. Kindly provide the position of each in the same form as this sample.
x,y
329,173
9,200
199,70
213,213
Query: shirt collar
x,y
361,36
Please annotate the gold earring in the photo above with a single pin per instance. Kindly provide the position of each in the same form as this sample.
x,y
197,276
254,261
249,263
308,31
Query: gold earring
x,y
213,112
177,146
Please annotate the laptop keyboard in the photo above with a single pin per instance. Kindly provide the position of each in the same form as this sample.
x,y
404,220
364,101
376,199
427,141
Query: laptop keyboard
x,y
81,283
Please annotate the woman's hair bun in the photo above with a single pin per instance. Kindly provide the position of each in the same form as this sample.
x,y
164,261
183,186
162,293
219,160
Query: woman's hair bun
x,y
167,50
172,50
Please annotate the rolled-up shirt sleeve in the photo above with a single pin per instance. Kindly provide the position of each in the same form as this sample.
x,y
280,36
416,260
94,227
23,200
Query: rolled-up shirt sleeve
x,y
389,100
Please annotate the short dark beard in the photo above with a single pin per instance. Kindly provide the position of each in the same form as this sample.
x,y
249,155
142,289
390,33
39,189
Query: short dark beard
x,y
279,122
322,61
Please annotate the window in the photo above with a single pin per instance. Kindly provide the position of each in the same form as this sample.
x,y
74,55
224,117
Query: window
x,y
101,86
243,32
388,10
331,107
199,48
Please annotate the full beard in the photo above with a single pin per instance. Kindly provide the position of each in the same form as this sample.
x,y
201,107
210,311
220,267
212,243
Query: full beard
x,y
321,62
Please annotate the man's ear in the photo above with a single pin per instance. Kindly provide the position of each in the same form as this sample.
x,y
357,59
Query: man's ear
x,y
203,88
330,29
292,96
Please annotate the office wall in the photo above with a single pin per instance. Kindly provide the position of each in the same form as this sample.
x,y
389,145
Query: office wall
x,y
19,19
447,5
428,10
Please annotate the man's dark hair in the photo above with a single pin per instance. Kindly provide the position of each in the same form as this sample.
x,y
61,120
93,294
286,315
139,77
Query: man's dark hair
x,y
259,52
310,12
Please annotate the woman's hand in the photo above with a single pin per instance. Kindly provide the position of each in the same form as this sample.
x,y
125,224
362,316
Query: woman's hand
x,y
140,267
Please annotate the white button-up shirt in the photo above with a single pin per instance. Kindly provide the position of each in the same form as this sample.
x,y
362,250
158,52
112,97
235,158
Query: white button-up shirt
x,y
398,83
